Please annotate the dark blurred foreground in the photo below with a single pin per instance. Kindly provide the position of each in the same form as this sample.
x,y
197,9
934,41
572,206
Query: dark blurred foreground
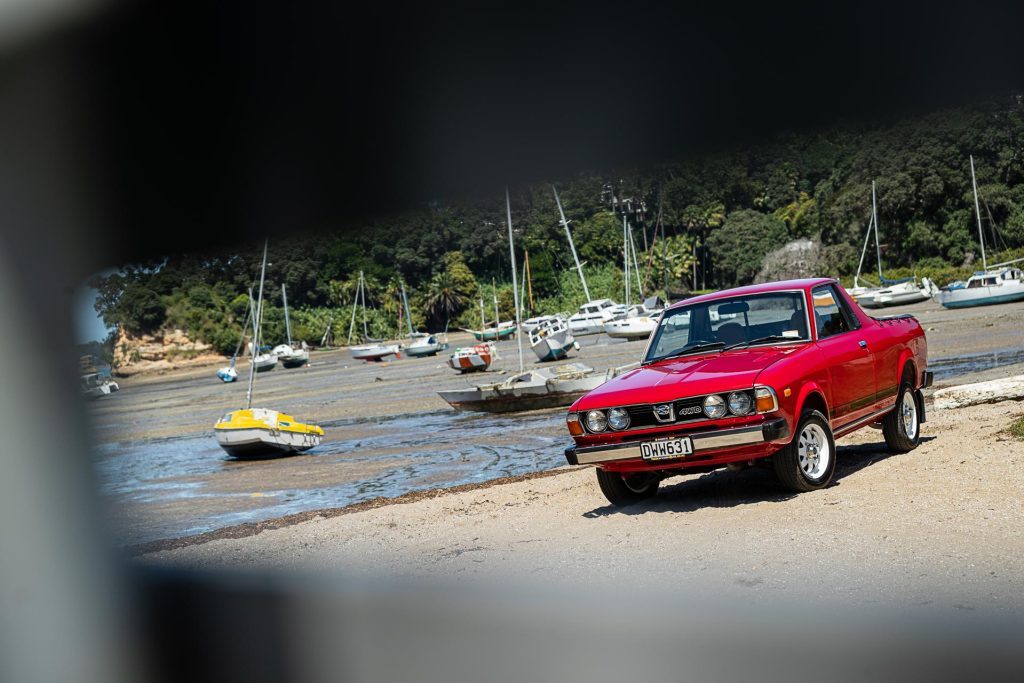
x,y
236,626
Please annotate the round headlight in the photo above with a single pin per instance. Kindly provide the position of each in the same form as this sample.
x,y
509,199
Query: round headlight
x,y
596,421
714,406
618,418
739,403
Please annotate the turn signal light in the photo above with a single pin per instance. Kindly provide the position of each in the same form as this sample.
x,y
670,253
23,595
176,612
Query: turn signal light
x,y
572,420
765,400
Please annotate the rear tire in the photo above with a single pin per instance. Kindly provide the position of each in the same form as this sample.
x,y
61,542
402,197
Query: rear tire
x,y
627,489
808,462
902,425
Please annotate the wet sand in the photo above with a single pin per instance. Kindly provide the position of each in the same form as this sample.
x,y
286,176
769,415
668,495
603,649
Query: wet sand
x,y
388,433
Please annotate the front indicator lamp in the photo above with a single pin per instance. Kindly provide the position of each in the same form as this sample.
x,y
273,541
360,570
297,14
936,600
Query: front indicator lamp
x,y
596,421
765,400
714,406
572,421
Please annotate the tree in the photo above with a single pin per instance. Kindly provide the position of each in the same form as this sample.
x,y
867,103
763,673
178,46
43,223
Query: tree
x,y
742,242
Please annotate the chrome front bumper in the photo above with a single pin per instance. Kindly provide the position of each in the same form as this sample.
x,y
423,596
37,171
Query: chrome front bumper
x,y
702,441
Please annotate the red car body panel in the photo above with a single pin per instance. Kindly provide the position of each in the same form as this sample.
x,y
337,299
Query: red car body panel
x,y
852,376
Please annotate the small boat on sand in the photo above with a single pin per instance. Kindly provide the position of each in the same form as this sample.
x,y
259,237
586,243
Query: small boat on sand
x,y
552,339
504,330
374,352
473,358
530,390
262,433
95,385
428,345
638,327
592,316
898,293
288,354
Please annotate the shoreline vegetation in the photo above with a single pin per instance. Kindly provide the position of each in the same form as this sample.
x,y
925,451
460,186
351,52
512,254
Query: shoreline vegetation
x,y
721,215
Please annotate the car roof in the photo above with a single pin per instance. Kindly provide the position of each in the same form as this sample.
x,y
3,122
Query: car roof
x,y
764,288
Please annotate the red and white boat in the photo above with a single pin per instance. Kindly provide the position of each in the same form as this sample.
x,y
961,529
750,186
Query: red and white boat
x,y
473,358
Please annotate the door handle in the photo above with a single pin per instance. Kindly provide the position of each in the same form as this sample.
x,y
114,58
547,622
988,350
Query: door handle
x,y
863,344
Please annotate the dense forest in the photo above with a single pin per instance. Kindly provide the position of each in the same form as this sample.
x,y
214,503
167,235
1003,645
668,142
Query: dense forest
x,y
720,214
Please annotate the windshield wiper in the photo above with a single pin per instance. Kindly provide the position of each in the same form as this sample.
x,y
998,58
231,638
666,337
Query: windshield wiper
x,y
770,337
698,346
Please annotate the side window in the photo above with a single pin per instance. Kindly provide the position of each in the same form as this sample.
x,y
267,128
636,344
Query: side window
x,y
844,308
828,317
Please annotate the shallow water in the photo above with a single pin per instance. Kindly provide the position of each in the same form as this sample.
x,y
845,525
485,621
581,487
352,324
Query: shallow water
x,y
398,455
952,366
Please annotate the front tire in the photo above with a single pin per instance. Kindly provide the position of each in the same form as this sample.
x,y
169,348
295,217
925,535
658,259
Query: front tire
x,y
902,425
627,489
808,462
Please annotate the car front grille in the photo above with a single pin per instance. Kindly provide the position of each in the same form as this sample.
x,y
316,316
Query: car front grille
x,y
687,410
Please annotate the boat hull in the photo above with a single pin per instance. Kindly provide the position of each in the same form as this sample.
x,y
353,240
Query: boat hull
x,y
374,352
511,396
966,298
264,363
490,335
555,346
295,360
473,360
630,328
425,350
264,443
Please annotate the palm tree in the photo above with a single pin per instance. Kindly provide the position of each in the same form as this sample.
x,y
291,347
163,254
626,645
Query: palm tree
x,y
443,301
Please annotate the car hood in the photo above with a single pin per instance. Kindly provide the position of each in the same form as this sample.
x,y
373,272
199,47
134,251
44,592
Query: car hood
x,y
687,376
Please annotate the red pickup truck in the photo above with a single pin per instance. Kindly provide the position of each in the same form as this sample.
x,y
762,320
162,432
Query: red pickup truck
x,y
768,374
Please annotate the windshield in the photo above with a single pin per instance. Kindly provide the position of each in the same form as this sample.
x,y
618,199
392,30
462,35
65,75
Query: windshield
x,y
725,323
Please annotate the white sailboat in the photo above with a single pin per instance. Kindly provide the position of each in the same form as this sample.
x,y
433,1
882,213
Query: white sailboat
x,y
373,351
261,432
262,361
633,323
420,344
527,390
892,292
590,318
858,290
287,354
1002,283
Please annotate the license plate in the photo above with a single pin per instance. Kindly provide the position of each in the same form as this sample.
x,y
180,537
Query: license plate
x,y
666,449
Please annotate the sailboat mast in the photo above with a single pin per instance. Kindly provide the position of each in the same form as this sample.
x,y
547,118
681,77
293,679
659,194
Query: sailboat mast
x,y
408,313
572,247
625,257
497,316
878,246
529,282
977,212
864,250
636,266
287,321
362,289
515,283
355,305
257,321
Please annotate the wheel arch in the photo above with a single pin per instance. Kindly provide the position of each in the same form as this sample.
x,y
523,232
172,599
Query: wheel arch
x,y
811,397
907,364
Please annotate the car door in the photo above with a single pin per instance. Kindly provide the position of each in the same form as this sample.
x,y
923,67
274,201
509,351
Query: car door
x,y
850,360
